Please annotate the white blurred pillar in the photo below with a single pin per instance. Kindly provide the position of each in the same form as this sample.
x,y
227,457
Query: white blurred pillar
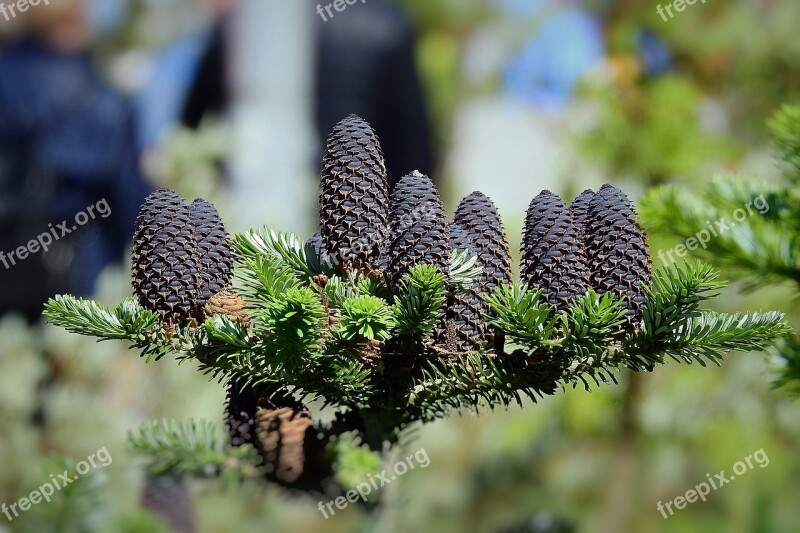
x,y
274,142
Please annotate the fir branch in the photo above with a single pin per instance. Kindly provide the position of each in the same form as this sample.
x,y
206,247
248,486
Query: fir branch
x,y
419,303
188,447
518,312
264,279
709,335
127,321
366,317
295,324
341,380
673,325
675,296
223,329
760,246
292,251
592,324
477,380
785,126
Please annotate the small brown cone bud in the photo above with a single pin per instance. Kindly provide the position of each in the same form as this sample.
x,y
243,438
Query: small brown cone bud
x,y
228,303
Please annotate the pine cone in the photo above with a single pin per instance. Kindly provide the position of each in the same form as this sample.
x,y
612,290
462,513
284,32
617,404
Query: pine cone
x,y
165,259
168,498
617,250
241,404
216,258
419,233
229,303
466,310
553,255
354,196
479,218
580,206
287,440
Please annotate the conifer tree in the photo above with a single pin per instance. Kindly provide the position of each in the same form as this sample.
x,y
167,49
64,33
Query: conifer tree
x,y
298,328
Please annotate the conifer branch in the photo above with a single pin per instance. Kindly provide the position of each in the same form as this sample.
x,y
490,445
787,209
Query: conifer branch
x,y
190,447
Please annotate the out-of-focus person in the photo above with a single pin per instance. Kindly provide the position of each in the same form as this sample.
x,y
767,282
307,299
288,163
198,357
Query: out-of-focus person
x,y
67,154
363,63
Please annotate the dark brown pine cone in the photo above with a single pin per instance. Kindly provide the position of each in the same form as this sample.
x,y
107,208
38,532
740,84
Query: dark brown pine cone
x,y
241,404
617,250
553,255
229,303
478,216
580,206
168,498
466,310
287,439
418,230
216,258
166,259
354,198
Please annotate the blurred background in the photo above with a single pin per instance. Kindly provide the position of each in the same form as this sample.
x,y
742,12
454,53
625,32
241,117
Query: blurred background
x,y
231,100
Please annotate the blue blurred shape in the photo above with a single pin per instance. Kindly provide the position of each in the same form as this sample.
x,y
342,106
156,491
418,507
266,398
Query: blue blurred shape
x,y
550,66
654,53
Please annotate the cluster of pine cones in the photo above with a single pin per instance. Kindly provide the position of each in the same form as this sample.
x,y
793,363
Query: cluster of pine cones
x,y
182,264
595,243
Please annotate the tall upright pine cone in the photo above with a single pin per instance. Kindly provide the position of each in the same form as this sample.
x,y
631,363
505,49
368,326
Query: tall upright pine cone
x,y
241,404
418,227
580,206
553,255
479,217
166,259
229,303
466,309
216,259
354,195
287,440
617,250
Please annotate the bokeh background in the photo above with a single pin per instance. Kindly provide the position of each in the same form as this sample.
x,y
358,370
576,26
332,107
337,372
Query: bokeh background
x,y
231,100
